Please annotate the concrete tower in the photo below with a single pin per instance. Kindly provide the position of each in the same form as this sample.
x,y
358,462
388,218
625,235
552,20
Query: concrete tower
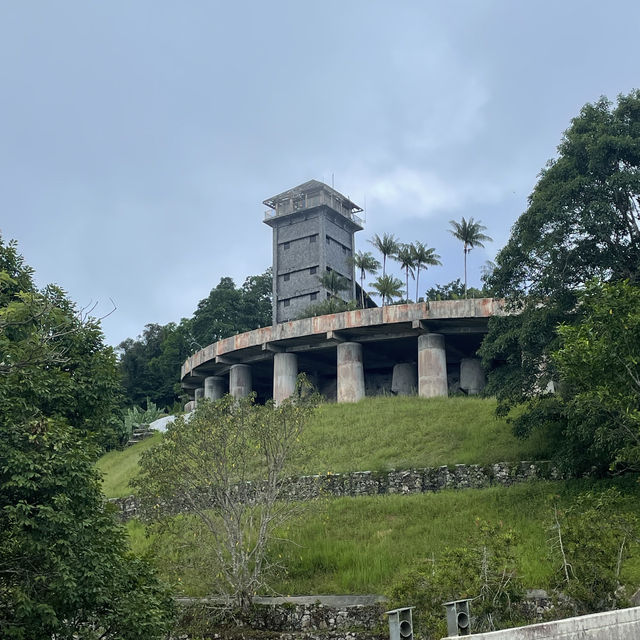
x,y
313,228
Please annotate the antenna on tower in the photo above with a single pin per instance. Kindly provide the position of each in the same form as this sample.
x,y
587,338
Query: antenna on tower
x,y
365,208
332,181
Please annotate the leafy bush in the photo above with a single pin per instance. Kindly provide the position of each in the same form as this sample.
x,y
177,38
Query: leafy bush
x,y
484,569
137,416
591,539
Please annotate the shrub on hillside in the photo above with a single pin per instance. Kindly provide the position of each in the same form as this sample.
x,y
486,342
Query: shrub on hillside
x,y
484,570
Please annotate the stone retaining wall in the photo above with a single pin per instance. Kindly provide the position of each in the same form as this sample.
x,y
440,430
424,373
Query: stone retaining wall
x,y
370,483
322,618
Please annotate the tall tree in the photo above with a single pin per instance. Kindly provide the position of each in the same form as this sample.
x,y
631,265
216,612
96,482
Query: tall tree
x,y
388,288
387,245
65,571
334,283
205,463
366,263
469,232
423,257
599,365
406,257
582,222
150,364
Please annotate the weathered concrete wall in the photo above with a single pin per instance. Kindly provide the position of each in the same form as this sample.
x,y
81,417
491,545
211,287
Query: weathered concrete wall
x,y
623,624
319,326
371,483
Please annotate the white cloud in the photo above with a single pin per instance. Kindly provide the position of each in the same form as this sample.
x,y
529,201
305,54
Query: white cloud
x,y
412,193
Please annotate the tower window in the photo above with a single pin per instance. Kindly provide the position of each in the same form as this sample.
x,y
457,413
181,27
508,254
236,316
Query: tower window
x,y
313,296
286,245
328,240
313,270
286,303
286,277
313,238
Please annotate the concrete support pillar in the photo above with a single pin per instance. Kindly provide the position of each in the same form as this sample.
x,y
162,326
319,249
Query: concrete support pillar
x,y
240,380
432,366
214,387
285,372
350,372
189,406
472,378
199,396
405,379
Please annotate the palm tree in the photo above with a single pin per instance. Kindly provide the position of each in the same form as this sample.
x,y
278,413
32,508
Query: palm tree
x,y
470,234
387,246
388,287
405,257
334,283
367,263
423,257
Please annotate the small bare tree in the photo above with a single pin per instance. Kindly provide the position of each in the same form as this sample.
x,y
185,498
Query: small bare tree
x,y
228,465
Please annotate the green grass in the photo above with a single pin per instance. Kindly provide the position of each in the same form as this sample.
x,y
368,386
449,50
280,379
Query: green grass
x,y
119,467
380,433
361,545
402,432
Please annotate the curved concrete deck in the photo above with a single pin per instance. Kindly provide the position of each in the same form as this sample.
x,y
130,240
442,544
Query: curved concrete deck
x,y
387,334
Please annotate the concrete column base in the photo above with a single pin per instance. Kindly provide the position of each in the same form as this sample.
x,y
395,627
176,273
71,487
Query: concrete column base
x,y
214,388
189,406
240,380
199,396
405,379
285,372
472,378
350,372
432,366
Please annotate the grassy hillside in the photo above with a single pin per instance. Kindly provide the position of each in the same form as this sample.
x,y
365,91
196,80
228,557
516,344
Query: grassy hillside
x,y
118,467
380,433
361,545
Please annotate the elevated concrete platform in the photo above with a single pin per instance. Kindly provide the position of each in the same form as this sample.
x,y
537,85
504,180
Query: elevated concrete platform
x,y
385,337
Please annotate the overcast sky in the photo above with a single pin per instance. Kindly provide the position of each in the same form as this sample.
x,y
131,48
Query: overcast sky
x,y
138,139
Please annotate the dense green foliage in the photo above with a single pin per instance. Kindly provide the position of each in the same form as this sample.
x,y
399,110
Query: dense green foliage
x,y
53,360
150,365
455,290
583,222
599,364
65,571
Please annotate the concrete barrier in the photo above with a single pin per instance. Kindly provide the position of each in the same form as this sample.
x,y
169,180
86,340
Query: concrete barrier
x,y
622,624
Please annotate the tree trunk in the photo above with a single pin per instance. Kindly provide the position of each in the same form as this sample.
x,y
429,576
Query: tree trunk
x,y
465,271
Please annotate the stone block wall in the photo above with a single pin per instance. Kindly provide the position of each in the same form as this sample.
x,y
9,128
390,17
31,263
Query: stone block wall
x,y
403,482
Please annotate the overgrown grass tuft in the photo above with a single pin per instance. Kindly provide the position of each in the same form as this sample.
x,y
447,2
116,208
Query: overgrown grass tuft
x,y
381,433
